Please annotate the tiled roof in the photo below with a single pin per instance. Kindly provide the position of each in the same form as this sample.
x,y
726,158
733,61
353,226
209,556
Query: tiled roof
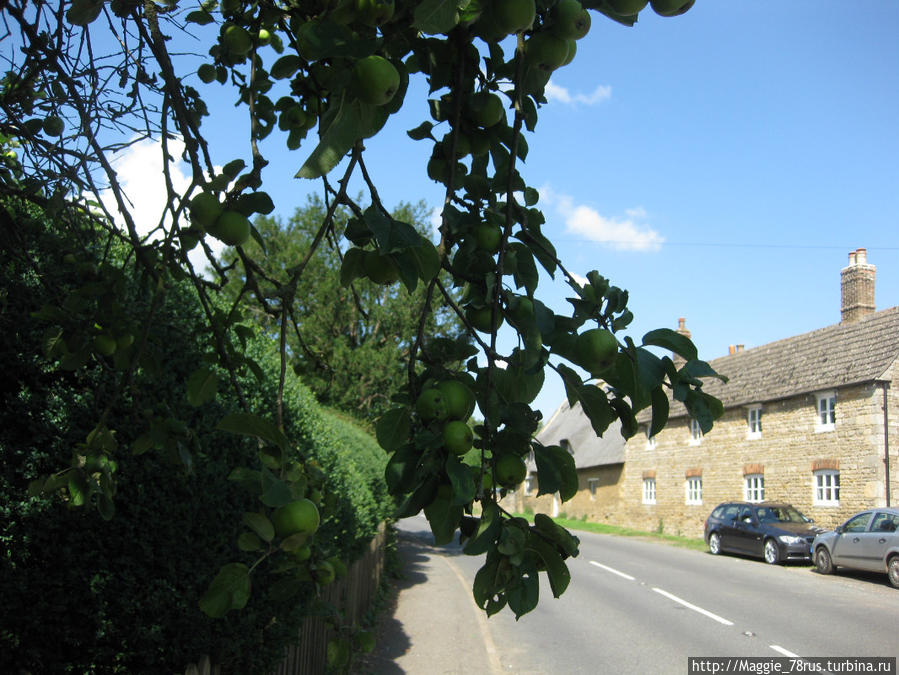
x,y
828,358
571,424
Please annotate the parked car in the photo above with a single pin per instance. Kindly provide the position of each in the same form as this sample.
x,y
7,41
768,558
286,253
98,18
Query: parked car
x,y
774,531
867,541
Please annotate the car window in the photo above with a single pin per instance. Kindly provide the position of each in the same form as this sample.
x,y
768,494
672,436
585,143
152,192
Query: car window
x,y
780,514
858,523
730,512
884,522
746,515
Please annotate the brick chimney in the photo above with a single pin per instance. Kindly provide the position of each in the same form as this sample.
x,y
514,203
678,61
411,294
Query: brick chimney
x,y
679,360
857,287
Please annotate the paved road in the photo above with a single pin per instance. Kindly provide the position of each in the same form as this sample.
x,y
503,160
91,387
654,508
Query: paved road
x,y
636,606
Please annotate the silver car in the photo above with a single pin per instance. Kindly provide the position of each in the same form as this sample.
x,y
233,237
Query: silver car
x,y
867,541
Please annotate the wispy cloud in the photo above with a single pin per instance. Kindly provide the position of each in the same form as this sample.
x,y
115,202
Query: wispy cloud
x,y
631,233
555,92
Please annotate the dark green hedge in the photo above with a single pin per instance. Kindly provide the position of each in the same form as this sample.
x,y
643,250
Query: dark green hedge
x,y
82,594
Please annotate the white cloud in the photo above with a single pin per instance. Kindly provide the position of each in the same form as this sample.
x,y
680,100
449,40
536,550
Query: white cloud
x,y
582,281
555,92
623,234
139,172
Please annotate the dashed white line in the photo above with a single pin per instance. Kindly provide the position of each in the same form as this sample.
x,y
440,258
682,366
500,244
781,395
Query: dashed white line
x,y
688,605
785,652
613,570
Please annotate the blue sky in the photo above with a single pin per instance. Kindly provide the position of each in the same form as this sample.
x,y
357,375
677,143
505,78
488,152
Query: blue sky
x,y
719,165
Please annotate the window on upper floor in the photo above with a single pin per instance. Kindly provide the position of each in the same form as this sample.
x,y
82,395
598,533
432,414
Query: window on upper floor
x,y
649,490
754,422
754,487
826,403
650,440
695,432
694,490
826,488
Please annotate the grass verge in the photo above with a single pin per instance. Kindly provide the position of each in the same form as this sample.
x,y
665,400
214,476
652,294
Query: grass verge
x,y
603,528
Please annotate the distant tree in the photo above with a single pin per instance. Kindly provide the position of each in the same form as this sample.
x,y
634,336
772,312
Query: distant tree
x,y
350,343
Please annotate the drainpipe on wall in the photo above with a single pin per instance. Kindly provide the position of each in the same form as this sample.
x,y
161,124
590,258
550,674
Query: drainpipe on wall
x,y
886,441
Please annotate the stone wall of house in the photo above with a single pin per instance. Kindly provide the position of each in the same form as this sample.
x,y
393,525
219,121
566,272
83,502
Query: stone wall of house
x,y
598,497
786,454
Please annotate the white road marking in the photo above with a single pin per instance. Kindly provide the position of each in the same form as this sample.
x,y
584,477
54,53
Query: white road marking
x,y
688,605
785,652
612,570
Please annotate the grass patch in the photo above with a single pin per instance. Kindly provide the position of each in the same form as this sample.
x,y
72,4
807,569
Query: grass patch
x,y
697,544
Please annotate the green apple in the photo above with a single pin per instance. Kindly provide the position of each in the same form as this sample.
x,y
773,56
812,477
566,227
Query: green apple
x,y
375,80
572,52
264,36
231,228
513,16
510,470
485,109
381,269
521,309
237,40
546,52
324,573
459,399
53,126
480,318
570,20
374,12
596,349
205,209
457,437
488,237
104,345
627,7
671,7
431,405
206,72
297,517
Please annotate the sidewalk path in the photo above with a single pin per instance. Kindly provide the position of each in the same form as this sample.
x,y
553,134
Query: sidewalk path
x,y
432,625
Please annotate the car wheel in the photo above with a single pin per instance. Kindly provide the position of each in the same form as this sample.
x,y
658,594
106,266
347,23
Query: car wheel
x,y
772,555
893,570
824,564
714,543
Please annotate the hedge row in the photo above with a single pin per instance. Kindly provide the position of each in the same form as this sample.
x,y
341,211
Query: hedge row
x,y
83,594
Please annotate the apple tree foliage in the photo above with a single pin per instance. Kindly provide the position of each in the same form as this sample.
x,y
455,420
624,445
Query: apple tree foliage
x,y
86,78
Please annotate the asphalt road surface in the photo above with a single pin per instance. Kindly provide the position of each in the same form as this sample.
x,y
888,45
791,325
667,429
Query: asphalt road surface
x,y
636,606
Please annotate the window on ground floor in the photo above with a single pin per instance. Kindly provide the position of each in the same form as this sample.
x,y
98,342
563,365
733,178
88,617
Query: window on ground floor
x,y
592,484
694,490
827,488
754,487
649,490
529,484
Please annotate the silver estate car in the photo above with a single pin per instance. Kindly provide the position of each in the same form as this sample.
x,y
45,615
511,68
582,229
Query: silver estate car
x,y
867,541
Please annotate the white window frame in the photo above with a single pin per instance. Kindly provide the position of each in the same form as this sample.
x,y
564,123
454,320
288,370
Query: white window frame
x,y
826,487
825,411
528,484
695,432
693,490
649,490
754,487
592,484
651,442
754,422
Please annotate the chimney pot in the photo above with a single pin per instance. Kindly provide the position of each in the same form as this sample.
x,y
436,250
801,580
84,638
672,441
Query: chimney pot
x,y
851,258
731,350
740,348
857,287
861,256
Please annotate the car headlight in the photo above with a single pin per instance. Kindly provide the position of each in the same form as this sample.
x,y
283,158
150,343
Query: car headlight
x,y
790,539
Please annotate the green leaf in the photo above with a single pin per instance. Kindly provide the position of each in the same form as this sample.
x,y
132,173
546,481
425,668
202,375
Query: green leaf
x,y
352,122
261,525
78,488
401,470
595,405
105,506
672,341
199,17
524,596
556,471
229,590
353,266
286,66
420,132
253,425
487,587
443,517
202,386
461,479
248,541
427,260
488,531
392,429
275,492
659,411
556,569
436,16
557,534
233,168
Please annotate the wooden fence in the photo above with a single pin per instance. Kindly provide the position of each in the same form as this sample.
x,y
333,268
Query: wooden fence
x,y
352,595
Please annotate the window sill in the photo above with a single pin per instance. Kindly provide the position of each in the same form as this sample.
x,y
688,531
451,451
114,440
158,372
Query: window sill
x,y
822,429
